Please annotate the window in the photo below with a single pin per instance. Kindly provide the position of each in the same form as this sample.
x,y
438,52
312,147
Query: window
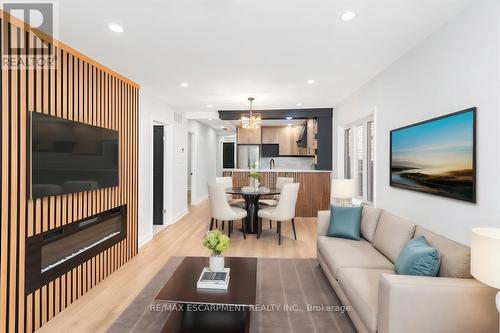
x,y
359,156
370,159
347,150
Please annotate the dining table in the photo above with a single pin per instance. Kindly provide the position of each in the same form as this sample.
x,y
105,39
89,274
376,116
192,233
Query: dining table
x,y
251,197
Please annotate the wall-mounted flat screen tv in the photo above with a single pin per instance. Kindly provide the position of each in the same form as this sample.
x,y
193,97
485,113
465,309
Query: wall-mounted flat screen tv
x,y
437,156
67,156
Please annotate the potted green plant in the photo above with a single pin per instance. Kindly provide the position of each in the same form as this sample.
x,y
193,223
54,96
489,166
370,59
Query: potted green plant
x,y
217,242
254,176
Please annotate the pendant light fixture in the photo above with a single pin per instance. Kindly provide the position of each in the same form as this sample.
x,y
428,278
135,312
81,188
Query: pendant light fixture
x,y
251,120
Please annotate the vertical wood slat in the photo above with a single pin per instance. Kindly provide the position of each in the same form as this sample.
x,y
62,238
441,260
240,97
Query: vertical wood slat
x,y
4,196
23,208
77,89
13,187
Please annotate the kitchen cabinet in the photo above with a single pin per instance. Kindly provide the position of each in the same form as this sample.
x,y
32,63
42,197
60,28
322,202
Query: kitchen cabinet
x,y
249,136
270,135
286,137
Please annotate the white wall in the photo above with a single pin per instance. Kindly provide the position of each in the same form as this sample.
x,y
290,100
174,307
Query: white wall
x,y
455,68
154,111
204,163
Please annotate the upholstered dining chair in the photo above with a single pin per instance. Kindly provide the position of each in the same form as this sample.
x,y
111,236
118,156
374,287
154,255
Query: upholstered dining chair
x,y
222,211
227,182
280,181
284,211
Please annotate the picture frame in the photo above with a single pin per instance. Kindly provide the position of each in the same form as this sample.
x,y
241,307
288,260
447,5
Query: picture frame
x,y
436,156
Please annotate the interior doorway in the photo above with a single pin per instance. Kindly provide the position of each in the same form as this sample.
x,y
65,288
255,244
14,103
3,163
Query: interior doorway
x,y
228,155
190,185
158,174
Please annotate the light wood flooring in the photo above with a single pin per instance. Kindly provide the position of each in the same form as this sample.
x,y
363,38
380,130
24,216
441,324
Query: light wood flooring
x,y
96,310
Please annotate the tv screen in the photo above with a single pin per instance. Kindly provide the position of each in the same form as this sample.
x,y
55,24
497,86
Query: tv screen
x,y
68,156
437,156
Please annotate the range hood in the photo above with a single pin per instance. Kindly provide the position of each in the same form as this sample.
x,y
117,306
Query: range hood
x,y
302,138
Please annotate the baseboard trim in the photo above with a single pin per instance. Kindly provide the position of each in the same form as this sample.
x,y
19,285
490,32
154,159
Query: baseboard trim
x,y
200,199
180,216
145,241
151,236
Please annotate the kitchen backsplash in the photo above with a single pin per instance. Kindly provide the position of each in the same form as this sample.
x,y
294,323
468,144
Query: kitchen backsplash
x,y
294,163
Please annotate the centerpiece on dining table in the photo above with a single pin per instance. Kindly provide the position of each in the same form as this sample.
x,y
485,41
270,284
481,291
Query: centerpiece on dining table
x,y
254,176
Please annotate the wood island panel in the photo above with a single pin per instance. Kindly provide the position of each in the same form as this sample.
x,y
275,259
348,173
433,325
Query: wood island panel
x,y
314,192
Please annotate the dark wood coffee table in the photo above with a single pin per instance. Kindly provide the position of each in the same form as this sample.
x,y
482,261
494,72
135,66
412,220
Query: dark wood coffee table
x,y
210,310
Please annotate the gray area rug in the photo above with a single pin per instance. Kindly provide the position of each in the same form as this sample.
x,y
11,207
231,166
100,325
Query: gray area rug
x,y
293,295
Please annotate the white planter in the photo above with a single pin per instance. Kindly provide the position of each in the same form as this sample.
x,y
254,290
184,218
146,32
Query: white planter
x,y
216,263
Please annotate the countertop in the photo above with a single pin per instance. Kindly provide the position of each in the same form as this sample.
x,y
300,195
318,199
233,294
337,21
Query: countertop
x,y
276,170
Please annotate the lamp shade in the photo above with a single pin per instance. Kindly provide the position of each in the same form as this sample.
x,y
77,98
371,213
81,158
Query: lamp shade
x,y
485,256
343,188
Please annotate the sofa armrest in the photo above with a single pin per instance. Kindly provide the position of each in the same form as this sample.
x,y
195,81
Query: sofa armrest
x,y
414,304
323,222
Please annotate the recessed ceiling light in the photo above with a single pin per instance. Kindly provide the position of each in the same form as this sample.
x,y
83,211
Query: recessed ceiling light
x,y
210,106
115,27
289,118
184,84
299,104
347,16
289,124
209,118
311,81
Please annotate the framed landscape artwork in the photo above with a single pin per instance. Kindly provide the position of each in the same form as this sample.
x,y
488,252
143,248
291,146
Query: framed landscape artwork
x,y
437,156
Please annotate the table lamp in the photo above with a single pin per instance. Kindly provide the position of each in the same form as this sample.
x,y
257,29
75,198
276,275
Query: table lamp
x,y
343,190
485,257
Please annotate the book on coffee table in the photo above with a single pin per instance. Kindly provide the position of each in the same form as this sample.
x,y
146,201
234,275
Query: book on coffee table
x,y
213,280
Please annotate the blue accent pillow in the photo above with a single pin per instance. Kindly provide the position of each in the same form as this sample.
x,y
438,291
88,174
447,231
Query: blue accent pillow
x,y
418,258
345,222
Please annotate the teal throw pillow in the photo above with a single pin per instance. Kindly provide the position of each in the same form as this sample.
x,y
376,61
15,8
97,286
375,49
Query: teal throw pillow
x,y
418,258
345,222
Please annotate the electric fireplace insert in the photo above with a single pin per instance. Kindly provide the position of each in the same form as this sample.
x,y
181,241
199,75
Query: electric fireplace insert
x,y
52,253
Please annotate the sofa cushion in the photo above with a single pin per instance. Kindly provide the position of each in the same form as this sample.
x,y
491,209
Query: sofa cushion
x,y
455,257
360,286
339,252
418,258
369,221
345,222
392,234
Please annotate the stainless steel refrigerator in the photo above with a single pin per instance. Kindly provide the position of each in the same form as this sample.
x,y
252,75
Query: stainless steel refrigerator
x,y
248,156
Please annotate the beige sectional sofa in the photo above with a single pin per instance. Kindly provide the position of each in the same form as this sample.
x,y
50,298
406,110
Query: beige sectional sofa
x,y
362,274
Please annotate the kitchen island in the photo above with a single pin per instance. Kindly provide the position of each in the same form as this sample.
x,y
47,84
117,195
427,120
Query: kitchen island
x,y
314,193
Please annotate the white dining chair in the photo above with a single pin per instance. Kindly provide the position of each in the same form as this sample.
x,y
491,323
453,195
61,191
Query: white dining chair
x,y
222,211
227,182
280,181
284,211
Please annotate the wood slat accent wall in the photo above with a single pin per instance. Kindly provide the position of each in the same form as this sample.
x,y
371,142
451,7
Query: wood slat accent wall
x,y
314,192
82,90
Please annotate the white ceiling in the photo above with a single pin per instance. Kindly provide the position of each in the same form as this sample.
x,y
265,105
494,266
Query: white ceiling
x,y
222,127
228,50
